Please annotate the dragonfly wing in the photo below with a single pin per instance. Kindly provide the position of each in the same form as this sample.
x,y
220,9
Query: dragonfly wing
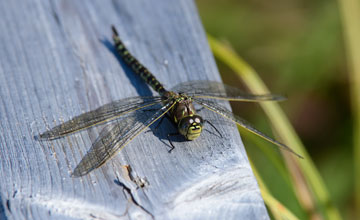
x,y
217,90
113,138
240,121
103,114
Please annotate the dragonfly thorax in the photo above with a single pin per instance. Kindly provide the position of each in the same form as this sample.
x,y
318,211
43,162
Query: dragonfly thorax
x,y
183,108
191,126
184,115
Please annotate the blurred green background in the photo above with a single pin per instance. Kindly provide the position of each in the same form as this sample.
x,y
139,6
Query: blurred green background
x,y
297,47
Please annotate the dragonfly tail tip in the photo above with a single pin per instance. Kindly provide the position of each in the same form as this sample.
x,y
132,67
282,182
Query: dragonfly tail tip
x,y
115,33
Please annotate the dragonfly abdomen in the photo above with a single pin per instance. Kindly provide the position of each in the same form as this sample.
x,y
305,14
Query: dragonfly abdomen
x,y
136,66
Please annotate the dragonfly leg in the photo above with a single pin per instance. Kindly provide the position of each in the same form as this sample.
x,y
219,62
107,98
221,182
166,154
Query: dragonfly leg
x,y
206,121
171,135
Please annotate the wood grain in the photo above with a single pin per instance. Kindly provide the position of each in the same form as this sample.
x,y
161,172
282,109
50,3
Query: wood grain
x,y
57,61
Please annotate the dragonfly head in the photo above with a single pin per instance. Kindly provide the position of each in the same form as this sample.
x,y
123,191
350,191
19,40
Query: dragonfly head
x,y
191,126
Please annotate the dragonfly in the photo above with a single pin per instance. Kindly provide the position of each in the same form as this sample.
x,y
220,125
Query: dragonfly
x,y
128,115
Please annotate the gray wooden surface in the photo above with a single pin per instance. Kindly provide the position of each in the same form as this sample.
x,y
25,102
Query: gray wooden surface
x,y
57,61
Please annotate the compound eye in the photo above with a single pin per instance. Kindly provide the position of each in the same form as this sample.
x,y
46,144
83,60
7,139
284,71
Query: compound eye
x,y
197,120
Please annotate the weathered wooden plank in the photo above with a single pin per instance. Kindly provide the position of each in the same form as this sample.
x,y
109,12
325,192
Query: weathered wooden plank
x,y
57,61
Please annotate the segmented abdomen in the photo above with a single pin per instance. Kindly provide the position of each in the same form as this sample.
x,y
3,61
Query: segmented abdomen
x,y
136,66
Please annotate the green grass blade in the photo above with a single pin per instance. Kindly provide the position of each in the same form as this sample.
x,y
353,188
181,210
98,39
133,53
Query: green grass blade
x,y
350,11
278,210
280,123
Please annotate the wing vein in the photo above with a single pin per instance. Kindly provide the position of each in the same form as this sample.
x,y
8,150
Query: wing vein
x,y
113,138
240,121
103,114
